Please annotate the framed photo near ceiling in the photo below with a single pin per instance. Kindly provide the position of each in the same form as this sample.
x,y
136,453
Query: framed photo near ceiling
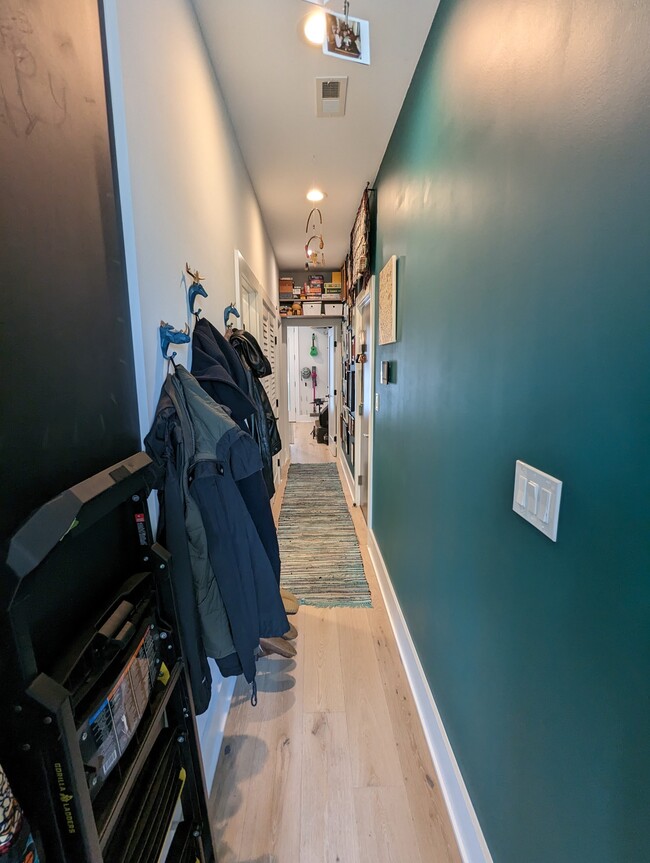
x,y
388,302
347,38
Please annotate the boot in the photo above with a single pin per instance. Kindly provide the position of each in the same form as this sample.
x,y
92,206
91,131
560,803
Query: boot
x,y
277,645
291,633
289,600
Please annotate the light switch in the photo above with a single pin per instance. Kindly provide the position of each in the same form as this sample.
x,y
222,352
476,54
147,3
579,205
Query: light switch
x,y
536,498
377,402
521,490
545,499
532,494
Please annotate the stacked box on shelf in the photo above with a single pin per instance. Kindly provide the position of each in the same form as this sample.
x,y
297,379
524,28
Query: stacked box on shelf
x,y
286,288
315,288
332,292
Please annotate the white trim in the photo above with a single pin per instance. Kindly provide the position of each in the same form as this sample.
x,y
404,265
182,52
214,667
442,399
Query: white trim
x,y
242,267
367,299
471,842
345,467
212,724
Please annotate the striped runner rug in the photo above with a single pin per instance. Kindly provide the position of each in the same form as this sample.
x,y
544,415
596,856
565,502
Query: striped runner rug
x,y
321,560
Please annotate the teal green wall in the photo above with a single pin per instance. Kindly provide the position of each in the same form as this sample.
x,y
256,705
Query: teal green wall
x,y
516,194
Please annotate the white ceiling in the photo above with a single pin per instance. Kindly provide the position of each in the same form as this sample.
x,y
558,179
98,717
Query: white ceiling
x,y
266,71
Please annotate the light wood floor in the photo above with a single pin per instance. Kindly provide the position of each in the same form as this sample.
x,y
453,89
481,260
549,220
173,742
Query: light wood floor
x,y
332,765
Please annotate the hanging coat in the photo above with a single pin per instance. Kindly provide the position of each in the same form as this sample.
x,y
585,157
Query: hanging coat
x,y
218,465
257,363
217,367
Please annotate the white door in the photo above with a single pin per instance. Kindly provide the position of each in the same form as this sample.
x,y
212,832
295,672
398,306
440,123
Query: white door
x,y
364,406
258,317
248,291
269,343
334,385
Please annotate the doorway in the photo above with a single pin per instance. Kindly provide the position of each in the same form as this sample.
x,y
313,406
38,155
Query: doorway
x,y
258,317
364,408
308,369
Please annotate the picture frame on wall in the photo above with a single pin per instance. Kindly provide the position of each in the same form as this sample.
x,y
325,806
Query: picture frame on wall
x,y
388,302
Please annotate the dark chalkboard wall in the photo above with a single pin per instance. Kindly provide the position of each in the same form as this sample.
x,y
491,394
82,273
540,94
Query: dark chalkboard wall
x,y
68,389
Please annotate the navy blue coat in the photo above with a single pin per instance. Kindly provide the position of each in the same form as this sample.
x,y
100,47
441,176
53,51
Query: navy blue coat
x,y
219,466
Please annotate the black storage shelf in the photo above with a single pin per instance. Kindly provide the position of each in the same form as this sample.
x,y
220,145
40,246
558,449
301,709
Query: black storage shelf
x,y
87,622
108,815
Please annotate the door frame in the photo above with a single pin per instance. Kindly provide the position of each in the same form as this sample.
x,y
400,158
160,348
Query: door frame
x,y
334,386
263,305
367,298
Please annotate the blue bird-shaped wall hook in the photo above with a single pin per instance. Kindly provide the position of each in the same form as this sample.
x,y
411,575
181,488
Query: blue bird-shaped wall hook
x,y
168,335
195,289
227,312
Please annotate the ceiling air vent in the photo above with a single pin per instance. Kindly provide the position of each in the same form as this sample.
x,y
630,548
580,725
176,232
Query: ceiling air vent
x,y
330,96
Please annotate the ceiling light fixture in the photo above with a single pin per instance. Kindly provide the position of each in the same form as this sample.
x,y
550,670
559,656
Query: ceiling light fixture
x,y
315,27
315,195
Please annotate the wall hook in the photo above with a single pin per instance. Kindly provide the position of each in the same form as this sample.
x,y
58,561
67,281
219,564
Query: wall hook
x,y
227,312
195,289
193,273
168,335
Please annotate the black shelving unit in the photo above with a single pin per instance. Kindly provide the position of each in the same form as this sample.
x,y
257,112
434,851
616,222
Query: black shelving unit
x,y
97,724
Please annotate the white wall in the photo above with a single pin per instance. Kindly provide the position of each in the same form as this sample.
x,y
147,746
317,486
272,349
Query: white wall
x,y
301,392
186,194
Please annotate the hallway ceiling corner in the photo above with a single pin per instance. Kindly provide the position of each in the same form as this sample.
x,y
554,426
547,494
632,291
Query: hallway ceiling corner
x,y
267,74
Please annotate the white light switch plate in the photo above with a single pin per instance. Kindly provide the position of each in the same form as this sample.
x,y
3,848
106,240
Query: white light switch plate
x,y
537,498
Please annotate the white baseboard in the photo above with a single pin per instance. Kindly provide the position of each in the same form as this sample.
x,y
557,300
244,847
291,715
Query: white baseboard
x,y
211,724
346,472
471,842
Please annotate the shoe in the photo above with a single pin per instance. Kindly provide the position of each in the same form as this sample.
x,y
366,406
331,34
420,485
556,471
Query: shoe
x,y
289,600
291,633
279,646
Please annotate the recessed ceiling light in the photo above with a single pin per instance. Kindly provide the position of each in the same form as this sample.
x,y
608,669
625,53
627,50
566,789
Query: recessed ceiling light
x,y
315,27
315,195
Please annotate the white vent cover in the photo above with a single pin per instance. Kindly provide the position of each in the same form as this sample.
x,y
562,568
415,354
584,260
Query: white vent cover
x,y
330,96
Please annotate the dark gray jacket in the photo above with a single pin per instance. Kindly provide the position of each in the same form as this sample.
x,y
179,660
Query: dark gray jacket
x,y
218,465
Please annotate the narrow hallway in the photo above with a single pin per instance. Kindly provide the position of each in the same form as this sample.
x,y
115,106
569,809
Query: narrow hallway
x,y
332,765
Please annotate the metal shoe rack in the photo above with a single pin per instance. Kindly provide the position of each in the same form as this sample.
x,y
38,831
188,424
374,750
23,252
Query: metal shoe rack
x,y
97,724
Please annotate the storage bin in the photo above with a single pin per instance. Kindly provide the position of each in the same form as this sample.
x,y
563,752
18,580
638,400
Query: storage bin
x,y
312,308
333,309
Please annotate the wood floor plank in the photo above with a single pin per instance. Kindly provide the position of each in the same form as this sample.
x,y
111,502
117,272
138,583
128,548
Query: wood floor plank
x,y
251,825
230,791
434,832
373,752
271,830
322,661
328,822
385,825
301,781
